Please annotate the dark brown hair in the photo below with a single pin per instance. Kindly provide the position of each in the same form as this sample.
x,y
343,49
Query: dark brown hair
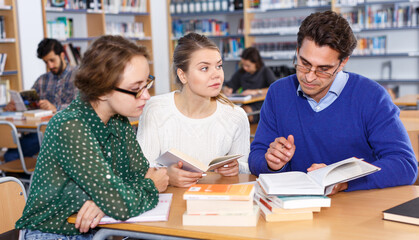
x,y
103,64
328,29
186,46
252,54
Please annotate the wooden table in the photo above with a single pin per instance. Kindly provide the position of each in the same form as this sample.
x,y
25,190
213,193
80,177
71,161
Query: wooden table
x,y
410,100
353,215
27,126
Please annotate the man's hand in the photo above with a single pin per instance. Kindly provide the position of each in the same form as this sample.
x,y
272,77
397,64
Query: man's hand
x,y
88,216
338,187
181,178
159,177
231,169
227,91
10,107
46,105
280,152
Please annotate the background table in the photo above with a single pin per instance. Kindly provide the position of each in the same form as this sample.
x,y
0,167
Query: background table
x,y
353,215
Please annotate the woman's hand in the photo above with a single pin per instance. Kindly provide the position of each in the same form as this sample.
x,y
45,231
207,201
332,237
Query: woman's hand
x,y
181,178
159,177
231,169
88,216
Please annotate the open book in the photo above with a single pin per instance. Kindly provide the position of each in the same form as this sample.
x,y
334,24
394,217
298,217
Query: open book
x,y
25,100
173,156
317,182
158,214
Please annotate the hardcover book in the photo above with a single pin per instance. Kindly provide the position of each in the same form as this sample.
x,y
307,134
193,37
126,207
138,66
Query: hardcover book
x,y
317,182
407,212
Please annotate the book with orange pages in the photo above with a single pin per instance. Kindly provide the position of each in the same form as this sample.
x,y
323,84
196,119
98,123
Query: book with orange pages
x,y
220,192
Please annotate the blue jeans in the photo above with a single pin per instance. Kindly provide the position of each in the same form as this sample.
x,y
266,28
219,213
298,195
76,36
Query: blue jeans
x,y
38,235
30,146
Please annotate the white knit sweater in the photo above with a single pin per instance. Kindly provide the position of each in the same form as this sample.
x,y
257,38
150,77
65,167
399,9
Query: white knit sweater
x,y
163,127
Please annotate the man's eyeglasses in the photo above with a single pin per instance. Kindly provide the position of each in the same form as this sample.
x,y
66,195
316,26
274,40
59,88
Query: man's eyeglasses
x,y
138,94
319,73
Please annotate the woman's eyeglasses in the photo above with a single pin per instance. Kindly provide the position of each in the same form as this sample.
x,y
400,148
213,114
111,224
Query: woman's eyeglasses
x,y
138,94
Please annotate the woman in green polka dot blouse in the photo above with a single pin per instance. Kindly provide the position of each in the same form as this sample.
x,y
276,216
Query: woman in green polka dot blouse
x,y
90,161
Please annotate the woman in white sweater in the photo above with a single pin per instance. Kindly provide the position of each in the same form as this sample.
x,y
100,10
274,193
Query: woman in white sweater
x,y
197,120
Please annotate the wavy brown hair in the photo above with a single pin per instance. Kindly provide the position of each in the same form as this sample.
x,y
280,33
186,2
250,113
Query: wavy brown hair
x,y
103,64
328,29
186,46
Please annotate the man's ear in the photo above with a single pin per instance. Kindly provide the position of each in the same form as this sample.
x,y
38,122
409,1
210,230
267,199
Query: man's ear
x,y
182,76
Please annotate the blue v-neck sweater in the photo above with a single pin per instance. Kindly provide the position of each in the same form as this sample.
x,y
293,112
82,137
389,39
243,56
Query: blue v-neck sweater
x,y
362,122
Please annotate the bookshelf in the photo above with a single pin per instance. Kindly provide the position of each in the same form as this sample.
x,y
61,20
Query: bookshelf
x,y
9,44
103,17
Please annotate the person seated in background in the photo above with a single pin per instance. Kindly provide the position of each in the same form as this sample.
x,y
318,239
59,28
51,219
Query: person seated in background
x,y
197,120
90,161
252,78
322,115
55,89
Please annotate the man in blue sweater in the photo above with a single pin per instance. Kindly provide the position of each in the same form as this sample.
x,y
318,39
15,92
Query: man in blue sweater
x,y
323,115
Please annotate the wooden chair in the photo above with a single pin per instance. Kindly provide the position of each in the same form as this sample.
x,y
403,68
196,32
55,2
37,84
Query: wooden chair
x,y
12,203
10,139
42,127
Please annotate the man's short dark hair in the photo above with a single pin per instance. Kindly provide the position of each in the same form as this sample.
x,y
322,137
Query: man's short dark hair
x,y
47,45
328,29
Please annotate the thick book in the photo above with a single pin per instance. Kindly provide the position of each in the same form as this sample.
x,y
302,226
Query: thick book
x,y
218,206
223,219
158,214
317,182
241,192
301,201
284,216
407,212
173,156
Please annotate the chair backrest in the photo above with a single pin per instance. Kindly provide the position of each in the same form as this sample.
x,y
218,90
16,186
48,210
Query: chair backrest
x,y
42,127
12,202
8,139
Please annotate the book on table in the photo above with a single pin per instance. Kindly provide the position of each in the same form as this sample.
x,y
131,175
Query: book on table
x,y
37,113
239,97
317,182
228,219
173,156
201,206
276,207
158,214
241,192
284,216
407,212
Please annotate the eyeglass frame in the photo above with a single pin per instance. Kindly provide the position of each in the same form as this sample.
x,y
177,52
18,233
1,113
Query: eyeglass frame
x,y
315,71
138,94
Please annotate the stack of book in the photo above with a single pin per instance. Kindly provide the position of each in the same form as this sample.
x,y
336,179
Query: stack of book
x,y
296,195
37,114
220,205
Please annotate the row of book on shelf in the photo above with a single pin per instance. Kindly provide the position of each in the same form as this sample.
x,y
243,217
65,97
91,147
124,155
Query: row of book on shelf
x,y
126,29
3,57
279,25
110,6
278,4
390,17
276,49
231,48
371,45
2,28
208,27
204,6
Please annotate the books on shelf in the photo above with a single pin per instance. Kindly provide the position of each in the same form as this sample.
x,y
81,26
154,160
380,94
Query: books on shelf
x,y
223,219
317,182
4,91
2,28
407,212
3,57
117,6
240,192
126,29
158,214
173,156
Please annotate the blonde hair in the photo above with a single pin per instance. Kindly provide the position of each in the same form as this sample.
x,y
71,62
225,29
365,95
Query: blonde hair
x,y
187,45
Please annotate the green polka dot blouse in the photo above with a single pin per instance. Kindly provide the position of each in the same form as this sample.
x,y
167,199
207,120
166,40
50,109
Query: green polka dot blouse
x,y
83,159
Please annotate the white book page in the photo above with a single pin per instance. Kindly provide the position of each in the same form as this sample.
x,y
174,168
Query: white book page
x,y
20,105
320,174
289,183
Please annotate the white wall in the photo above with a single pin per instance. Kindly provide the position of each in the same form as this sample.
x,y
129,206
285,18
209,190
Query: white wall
x,y
160,45
29,14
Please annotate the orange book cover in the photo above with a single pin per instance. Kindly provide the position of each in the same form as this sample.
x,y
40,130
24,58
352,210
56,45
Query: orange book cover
x,y
220,192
